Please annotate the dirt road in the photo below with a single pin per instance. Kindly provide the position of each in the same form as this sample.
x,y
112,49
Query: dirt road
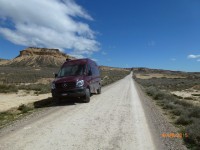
x,y
113,120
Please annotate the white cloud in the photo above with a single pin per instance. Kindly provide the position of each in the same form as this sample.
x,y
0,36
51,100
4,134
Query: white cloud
x,y
76,56
96,60
193,56
198,60
48,23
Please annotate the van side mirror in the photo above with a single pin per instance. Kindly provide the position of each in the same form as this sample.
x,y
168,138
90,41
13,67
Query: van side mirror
x,y
56,75
90,73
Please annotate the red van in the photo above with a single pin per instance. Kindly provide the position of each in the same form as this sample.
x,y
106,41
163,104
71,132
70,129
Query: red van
x,y
76,78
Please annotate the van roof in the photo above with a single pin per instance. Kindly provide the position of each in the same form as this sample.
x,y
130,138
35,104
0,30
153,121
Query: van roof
x,y
80,61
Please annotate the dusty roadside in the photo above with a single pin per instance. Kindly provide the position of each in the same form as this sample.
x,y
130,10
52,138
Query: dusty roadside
x,y
8,101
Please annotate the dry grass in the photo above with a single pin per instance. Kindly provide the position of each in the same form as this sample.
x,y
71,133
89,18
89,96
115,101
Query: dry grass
x,y
11,115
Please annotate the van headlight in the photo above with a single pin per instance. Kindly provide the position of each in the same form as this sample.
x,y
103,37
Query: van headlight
x,y
53,86
80,83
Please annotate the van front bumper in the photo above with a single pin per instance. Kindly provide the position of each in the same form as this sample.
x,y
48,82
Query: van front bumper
x,y
78,92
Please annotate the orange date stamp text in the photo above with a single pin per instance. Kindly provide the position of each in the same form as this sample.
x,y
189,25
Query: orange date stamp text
x,y
174,135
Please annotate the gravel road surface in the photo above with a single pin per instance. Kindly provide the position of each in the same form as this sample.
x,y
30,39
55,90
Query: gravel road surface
x,y
113,120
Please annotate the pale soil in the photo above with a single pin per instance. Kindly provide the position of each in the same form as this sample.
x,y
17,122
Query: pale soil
x,y
185,94
157,75
8,101
117,119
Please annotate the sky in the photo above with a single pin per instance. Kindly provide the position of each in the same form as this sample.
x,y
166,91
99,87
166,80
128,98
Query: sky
x,y
161,34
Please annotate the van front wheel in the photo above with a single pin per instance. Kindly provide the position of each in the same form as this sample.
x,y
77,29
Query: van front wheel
x,y
86,98
99,90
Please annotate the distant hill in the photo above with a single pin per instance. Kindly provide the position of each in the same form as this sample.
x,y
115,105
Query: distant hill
x,y
3,61
164,73
39,57
148,70
107,68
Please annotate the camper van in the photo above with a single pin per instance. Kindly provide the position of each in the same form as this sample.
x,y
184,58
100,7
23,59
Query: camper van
x,y
76,78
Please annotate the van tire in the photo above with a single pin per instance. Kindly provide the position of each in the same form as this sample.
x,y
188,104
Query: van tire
x,y
86,98
99,90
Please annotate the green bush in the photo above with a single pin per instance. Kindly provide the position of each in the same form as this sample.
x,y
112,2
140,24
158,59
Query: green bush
x,y
5,117
24,108
8,88
195,94
183,120
177,111
39,88
170,105
195,112
193,132
188,98
151,91
183,103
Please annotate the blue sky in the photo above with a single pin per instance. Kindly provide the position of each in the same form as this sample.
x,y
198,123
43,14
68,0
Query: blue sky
x,y
161,34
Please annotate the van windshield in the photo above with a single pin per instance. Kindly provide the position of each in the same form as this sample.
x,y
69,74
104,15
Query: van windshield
x,y
72,70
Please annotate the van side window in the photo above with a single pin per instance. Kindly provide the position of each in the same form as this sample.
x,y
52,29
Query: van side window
x,y
89,70
95,70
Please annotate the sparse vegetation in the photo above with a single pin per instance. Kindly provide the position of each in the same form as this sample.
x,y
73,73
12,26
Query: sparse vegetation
x,y
14,114
13,79
193,131
170,84
110,76
8,88
195,94
185,115
38,88
6,117
17,75
24,108
184,120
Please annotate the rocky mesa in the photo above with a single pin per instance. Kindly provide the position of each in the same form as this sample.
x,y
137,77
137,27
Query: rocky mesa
x,y
33,51
39,57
